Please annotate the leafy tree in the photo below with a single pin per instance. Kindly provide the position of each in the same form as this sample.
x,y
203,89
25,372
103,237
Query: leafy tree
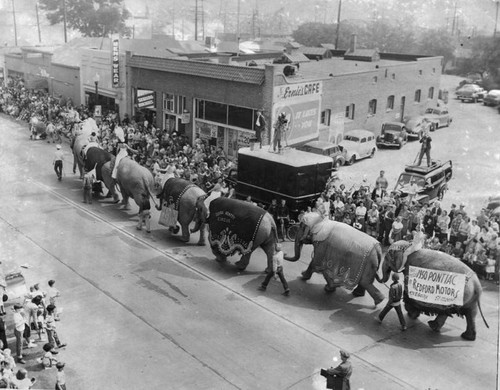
x,y
314,34
437,42
93,18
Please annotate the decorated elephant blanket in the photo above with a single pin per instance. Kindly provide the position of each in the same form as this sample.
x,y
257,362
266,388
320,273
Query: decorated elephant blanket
x,y
342,252
173,190
233,225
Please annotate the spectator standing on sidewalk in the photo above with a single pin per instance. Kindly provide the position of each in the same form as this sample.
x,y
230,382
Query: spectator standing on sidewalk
x,y
50,326
58,162
18,332
52,293
61,376
394,302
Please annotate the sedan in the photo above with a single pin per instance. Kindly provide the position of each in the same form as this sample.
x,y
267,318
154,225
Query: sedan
x,y
416,125
492,98
470,92
438,117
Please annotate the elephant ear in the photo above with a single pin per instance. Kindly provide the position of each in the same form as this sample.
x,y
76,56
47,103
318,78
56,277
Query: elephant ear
x,y
396,252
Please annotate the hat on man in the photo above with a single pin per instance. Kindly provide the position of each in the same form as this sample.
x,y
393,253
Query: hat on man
x,y
17,306
60,364
395,277
58,146
344,354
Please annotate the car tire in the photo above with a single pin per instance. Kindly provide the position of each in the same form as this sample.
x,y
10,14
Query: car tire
x,y
372,154
474,100
352,160
337,164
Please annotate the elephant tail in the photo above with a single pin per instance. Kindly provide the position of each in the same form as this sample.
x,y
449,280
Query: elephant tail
x,y
147,186
481,311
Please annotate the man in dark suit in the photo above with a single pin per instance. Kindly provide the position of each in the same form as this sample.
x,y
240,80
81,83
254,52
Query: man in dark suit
x,y
338,378
260,126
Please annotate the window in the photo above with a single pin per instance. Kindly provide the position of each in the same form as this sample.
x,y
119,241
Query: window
x,y
200,109
375,79
216,112
390,103
240,117
418,92
420,72
174,103
349,111
430,95
325,117
386,72
393,76
433,70
168,102
372,107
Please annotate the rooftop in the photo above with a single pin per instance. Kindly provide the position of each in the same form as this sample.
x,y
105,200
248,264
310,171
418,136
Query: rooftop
x,y
291,157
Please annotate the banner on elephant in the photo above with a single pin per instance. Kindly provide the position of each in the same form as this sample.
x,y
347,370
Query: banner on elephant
x,y
435,286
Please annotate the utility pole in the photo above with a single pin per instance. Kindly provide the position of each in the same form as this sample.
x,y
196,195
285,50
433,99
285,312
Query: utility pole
x,y
64,20
202,22
454,24
38,23
15,25
338,26
173,20
196,20
497,2
238,20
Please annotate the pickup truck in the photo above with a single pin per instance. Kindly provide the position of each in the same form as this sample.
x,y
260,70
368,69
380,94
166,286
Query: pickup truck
x,y
392,134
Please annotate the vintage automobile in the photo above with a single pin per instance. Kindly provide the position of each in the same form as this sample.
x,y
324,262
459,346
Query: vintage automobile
x,y
470,92
492,98
392,134
438,117
324,148
417,125
358,144
432,182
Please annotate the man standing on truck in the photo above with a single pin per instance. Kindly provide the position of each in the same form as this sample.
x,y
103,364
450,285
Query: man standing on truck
x,y
425,149
260,126
279,130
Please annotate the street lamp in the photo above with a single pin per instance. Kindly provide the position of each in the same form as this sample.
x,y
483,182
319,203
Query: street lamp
x,y
96,82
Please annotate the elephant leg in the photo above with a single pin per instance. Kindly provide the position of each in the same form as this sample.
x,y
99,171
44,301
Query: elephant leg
x,y
218,257
413,313
185,232
330,285
438,322
470,316
374,293
174,229
243,262
307,274
201,241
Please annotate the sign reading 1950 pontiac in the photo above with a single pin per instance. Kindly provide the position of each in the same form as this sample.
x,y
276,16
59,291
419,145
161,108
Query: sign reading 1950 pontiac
x,y
301,105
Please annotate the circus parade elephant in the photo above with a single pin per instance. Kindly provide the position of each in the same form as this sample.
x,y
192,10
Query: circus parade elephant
x,y
102,161
80,143
345,256
182,195
238,226
436,284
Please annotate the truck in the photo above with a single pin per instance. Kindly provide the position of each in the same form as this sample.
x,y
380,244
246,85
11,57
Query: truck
x,y
392,134
296,176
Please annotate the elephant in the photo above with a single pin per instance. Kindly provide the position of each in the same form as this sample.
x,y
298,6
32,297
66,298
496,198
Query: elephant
x,y
431,260
185,195
344,255
79,142
238,226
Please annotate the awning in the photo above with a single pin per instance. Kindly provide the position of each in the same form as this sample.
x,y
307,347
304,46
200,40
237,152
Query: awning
x,y
39,83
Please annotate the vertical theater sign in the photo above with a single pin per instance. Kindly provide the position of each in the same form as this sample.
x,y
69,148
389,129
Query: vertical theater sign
x,y
115,60
301,104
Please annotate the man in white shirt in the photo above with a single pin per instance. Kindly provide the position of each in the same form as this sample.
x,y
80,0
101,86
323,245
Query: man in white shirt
x,y
19,325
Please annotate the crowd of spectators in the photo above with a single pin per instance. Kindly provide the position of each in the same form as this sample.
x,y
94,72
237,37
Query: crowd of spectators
x,y
165,153
388,217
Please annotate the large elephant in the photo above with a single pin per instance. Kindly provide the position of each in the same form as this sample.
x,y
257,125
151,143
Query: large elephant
x,y
433,262
80,134
344,255
238,226
184,194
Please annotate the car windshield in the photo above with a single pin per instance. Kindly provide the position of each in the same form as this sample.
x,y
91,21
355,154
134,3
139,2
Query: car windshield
x,y
405,179
494,93
390,126
351,138
431,111
470,87
412,122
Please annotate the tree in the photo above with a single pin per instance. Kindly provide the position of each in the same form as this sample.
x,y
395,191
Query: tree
x,y
93,18
437,42
314,34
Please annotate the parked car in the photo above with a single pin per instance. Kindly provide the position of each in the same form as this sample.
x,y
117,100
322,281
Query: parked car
x,y
358,144
392,134
438,116
416,125
470,92
336,152
431,181
492,98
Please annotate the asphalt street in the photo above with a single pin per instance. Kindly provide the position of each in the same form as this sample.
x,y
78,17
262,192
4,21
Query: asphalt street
x,y
147,311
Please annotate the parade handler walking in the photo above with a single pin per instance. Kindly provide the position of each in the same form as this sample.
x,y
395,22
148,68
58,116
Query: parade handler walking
x,y
395,295
58,162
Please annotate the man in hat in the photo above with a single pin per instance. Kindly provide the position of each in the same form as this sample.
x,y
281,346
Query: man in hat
x,y
279,129
425,149
61,376
260,126
343,371
58,162
394,302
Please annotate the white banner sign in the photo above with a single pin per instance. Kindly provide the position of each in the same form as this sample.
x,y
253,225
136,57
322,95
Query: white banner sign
x,y
438,287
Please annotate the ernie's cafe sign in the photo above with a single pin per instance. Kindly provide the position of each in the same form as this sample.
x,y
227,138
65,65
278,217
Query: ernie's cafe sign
x,y
298,91
115,60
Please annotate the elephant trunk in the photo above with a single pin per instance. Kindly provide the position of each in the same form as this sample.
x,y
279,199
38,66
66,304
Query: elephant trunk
x,y
197,225
386,272
297,250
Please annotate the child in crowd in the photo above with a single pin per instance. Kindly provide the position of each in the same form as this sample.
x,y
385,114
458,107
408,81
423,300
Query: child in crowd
x,y
48,359
61,376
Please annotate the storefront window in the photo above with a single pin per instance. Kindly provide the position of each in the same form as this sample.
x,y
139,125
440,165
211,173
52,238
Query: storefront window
x,y
240,117
200,109
216,112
